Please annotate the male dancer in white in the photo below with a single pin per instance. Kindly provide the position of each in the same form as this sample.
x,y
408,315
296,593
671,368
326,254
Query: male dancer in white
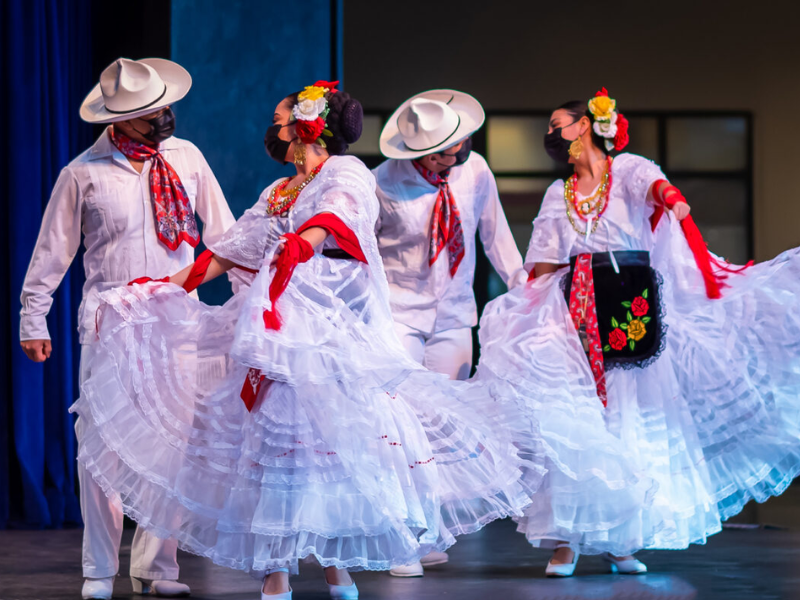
x,y
435,194
133,194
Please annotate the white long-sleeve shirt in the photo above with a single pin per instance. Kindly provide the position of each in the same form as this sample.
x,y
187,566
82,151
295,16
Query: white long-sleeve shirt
x,y
425,297
102,196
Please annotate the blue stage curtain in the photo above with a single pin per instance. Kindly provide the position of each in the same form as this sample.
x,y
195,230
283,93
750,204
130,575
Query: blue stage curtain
x,y
45,58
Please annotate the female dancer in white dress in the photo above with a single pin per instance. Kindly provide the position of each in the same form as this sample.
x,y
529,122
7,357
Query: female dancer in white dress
x,y
624,317
350,451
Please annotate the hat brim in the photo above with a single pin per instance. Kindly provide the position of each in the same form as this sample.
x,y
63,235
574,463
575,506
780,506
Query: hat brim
x,y
470,113
175,77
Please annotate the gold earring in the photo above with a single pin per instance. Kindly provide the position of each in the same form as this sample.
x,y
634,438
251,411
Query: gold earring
x,y
576,148
300,154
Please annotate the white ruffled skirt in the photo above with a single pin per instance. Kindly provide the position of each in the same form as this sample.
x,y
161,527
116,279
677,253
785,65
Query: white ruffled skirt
x,y
353,454
714,420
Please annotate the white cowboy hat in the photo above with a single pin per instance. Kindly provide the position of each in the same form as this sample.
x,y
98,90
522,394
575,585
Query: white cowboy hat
x,y
132,88
430,122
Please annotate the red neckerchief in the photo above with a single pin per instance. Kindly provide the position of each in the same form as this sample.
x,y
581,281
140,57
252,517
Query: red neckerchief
x,y
583,309
174,216
446,227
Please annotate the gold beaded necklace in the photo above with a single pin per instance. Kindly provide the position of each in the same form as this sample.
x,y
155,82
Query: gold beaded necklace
x,y
589,209
281,200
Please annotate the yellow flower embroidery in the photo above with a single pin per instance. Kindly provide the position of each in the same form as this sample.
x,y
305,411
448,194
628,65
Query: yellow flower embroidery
x,y
602,107
636,330
312,92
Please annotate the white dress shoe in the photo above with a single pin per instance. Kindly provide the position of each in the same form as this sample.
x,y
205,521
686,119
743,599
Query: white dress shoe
x,y
563,570
98,589
343,592
282,595
434,558
631,566
412,570
164,588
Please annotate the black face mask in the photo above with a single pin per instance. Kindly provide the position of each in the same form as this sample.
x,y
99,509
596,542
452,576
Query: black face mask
x,y
162,127
276,148
463,153
556,146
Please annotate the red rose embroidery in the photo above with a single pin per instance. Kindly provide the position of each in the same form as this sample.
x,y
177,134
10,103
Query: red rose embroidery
x,y
621,139
309,131
639,307
617,339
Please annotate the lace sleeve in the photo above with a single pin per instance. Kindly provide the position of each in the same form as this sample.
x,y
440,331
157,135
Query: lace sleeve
x,y
246,242
638,174
348,191
552,237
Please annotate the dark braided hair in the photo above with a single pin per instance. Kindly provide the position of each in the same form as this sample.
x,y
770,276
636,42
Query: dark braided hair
x,y
578,109
345,121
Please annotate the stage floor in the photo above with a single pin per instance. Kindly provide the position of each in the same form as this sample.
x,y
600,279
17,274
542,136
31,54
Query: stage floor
x,y
495,564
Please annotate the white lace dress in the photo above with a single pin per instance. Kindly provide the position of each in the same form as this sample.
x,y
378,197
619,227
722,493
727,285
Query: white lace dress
x,y
353,454
713,419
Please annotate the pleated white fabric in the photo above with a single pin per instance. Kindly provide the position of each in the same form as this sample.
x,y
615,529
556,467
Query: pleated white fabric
x,y
353,454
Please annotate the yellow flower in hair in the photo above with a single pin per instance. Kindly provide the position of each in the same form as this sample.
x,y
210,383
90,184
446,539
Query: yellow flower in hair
x,y
602,107
312,92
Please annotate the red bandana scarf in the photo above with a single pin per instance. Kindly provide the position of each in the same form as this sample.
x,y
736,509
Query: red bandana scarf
x,y
583,310
446,228
174,215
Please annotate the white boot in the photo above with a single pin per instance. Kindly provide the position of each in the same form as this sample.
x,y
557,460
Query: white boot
x,y
164,588
98,589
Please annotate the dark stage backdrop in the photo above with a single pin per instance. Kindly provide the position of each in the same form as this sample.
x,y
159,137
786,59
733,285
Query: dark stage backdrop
x,y
244,56
46,71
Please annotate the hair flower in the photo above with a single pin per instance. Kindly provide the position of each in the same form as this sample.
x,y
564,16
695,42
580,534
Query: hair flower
x,y
312,92
308,109
311,111
608,123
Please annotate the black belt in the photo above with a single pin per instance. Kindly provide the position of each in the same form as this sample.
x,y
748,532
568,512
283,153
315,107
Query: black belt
x,y
336,253
624,258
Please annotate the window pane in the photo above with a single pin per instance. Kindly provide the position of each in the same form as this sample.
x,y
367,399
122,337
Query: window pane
x,y
517,144
720,208
706,143
521,198
643,132
368,143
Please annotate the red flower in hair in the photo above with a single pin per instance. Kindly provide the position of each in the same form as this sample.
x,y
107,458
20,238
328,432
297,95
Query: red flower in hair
x,y
621,139
602,92
331,85
309,131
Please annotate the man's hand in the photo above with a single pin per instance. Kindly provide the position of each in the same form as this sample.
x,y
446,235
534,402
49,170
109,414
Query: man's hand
x,y
37,350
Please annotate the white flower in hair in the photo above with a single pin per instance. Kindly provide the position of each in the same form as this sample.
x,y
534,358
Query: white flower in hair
x,y
308,110
606,128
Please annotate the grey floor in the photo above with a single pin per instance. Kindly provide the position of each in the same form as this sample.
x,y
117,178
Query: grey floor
x,y
495,564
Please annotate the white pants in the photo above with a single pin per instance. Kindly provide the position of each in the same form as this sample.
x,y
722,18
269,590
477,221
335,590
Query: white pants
x,y
448,351
151,557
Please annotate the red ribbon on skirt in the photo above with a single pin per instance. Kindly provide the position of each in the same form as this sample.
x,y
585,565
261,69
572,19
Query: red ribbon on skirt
x,y
296,250
583,309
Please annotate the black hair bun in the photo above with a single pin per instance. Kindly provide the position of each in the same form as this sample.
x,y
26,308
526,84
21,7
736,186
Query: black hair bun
x,y
352,121
345,121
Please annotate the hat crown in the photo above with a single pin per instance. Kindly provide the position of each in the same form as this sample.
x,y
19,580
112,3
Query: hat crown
x,y
129,85
426,123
